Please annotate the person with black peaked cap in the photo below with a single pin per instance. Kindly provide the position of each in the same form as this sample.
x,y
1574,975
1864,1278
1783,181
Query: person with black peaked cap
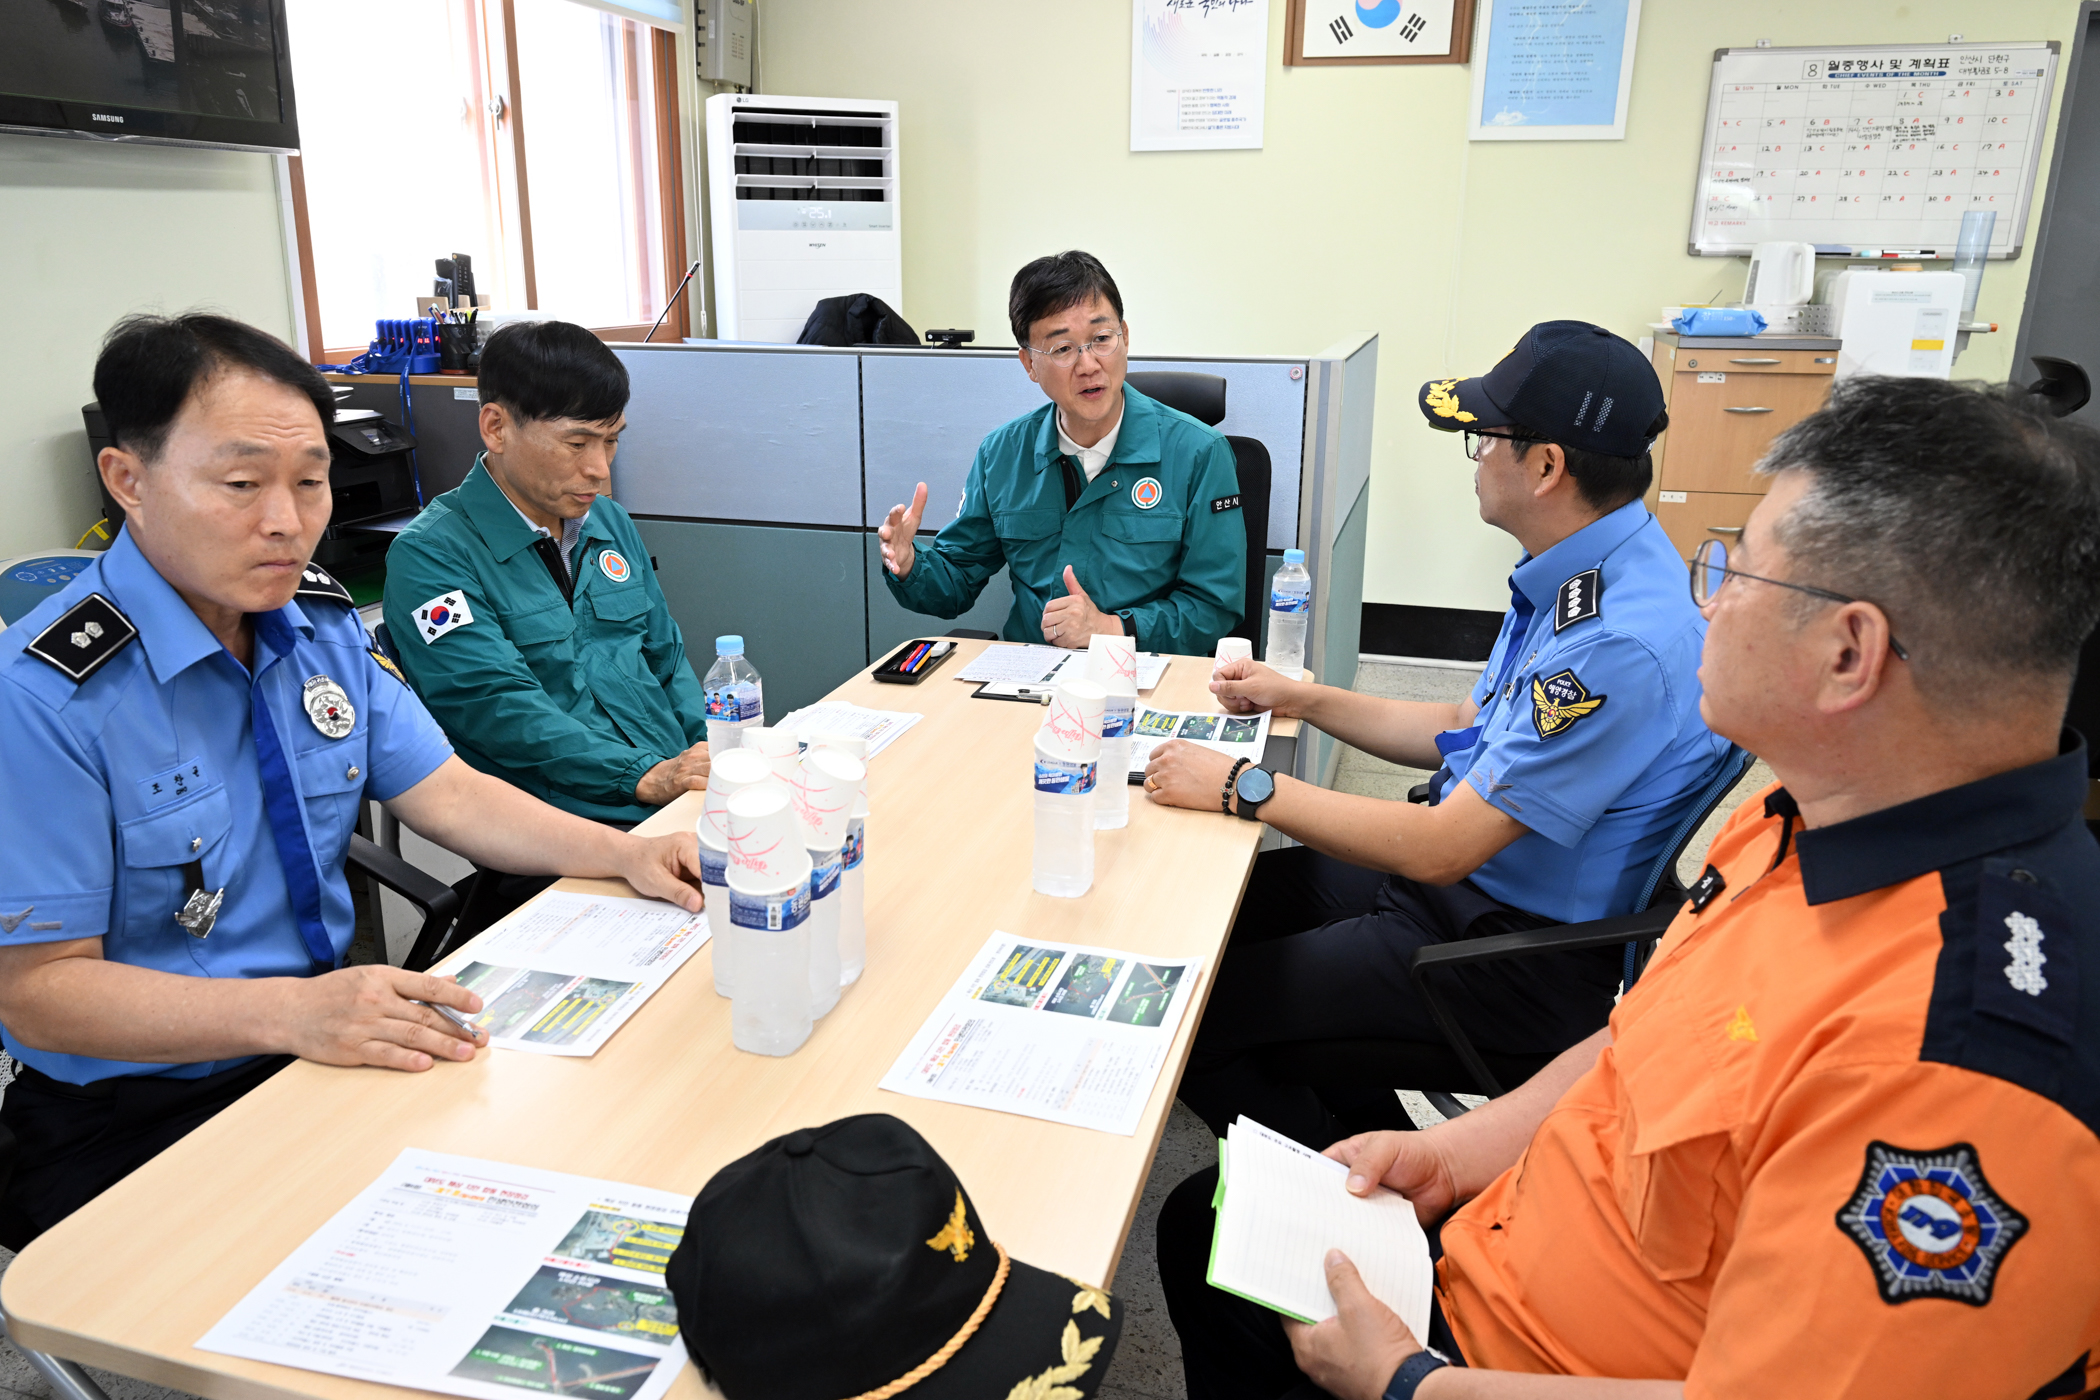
x,y
847,1263
1560,777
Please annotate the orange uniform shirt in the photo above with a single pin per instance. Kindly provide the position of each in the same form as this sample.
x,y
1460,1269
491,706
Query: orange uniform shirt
x,y
1843,1142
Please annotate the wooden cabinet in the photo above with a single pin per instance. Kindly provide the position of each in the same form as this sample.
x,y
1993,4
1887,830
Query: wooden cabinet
x,y
1728,398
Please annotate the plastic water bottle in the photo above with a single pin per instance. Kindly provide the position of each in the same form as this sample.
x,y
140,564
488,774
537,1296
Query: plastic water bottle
x,y
1112,665
827,868
769,874
1290,608
730,774
853,897
1067,770
736,697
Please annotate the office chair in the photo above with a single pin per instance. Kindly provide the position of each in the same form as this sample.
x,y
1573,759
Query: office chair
x,y
439,902
1357,1064
1202,397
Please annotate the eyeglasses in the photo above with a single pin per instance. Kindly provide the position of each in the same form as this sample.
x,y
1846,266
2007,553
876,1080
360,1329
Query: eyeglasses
x,y
1476,443
1065,354
1710,570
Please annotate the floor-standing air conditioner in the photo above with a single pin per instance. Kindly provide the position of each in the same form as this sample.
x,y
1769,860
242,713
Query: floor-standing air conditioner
x,y
802,203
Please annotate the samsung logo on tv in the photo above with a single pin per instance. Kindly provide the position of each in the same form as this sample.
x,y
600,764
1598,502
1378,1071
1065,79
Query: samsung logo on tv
x,y
105,117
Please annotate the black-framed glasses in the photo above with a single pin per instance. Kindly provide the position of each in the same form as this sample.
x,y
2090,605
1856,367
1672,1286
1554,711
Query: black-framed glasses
x,y
1066,354
1476,442
1710,571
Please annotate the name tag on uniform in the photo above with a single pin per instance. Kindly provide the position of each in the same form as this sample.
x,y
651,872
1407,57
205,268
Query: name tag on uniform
x,y
1224,503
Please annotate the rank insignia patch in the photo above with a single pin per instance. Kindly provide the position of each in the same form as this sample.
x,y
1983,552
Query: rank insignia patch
x,y
85,636
1580,599
1929,1224
1558,701
317,582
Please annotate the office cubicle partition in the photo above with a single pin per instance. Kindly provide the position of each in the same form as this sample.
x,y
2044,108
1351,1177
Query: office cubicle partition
x,y
760,473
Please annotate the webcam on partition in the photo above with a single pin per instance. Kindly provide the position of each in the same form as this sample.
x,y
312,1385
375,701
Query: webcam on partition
x,y
950,340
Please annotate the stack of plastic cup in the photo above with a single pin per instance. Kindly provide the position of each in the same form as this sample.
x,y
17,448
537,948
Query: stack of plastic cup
x,y
1067,769
732,771
1112,665
823,796
769,906
1229,649
853,883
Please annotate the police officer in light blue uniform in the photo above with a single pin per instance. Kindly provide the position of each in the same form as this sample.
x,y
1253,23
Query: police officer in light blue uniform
x,y
191,728
1559,779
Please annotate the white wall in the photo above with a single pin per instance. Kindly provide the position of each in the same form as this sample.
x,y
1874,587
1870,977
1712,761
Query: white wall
x,y
88,233
1367,209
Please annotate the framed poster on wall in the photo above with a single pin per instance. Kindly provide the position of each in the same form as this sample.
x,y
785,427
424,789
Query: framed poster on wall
x,y
1554,70
1386,31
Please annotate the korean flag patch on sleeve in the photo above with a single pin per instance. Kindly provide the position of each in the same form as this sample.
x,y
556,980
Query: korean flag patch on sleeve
x,y
445,613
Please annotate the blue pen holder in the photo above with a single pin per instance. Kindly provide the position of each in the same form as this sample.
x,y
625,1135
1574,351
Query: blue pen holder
x,y
403,347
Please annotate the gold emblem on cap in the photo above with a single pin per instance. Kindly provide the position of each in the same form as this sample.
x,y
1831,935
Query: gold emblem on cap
x,y
955,1236
1443,403
1078,1356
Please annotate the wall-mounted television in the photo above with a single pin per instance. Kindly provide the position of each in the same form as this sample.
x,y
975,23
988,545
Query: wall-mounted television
x,y
175,72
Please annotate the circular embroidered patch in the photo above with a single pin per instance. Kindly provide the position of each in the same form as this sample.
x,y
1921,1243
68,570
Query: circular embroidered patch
x,y
1929,1223
1146,493
614,566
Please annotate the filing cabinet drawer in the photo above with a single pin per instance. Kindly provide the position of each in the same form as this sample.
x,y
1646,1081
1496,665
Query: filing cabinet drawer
x,y
1822,362
1720,427
1703,515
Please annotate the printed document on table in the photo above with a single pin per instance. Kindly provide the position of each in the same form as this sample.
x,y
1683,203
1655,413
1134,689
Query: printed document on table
x,y
1236,736
477,1278
562,974
1059,1031
1281,1206
880,728
1032,665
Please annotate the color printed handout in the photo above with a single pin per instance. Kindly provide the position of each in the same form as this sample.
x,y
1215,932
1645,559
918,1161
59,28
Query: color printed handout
x,y
1007,668
1058,1031
563,973
1237,736
477,1278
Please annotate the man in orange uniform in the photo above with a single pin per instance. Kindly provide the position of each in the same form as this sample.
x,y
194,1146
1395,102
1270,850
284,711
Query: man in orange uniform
x,y
1841,1138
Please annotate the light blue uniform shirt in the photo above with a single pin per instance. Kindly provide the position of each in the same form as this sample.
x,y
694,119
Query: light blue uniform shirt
x,y
110,786
1589,730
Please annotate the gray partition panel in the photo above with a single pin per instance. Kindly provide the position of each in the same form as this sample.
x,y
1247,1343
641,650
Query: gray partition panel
x,y
741,435
795,595
925,415
890,625
1265,402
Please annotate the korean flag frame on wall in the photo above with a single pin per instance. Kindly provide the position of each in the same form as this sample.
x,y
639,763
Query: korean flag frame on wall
x,y
1321,32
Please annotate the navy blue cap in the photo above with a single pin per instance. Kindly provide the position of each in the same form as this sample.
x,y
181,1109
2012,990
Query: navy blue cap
x,y
1566,381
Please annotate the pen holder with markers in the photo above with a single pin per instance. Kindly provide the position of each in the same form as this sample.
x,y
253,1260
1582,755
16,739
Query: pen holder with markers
x,y
915,661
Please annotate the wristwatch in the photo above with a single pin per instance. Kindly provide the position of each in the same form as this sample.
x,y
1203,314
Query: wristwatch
x,y
1253,787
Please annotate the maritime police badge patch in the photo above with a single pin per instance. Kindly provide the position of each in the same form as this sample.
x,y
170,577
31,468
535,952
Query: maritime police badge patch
x,y
1558,701
1929,1224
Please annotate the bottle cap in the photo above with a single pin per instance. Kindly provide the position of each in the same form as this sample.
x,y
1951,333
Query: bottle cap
x,y
1112,664
1290,556
731,645
766,854
1071,730
732,771
824,794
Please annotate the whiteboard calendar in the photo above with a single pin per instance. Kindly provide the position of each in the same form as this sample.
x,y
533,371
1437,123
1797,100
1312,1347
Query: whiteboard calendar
x,y
1871,150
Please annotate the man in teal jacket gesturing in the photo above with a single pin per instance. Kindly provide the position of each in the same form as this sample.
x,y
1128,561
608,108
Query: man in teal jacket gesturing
x,y
1114,513
524,605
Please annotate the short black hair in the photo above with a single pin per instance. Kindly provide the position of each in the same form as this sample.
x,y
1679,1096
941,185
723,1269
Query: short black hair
x,y
552,369
1605,483
150,365
1049,285
1965,512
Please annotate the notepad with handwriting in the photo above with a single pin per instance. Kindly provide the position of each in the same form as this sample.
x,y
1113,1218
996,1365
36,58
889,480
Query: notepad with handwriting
x,y
1281,1206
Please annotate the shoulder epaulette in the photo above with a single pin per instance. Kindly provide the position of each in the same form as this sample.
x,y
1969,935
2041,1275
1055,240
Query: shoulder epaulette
x,y
317,582
1581,598
85,637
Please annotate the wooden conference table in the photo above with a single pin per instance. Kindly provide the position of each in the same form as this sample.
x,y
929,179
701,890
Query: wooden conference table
x,y
132,1280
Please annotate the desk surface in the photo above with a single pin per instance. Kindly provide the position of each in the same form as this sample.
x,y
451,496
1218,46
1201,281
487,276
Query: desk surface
x,y
133,1279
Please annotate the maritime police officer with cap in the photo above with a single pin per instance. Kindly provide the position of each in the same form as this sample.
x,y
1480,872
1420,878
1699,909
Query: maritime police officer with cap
x,y
1113,514
192,726
1559,778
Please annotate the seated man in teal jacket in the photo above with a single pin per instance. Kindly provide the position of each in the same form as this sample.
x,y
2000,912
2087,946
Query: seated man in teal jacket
x,y
1114,513
524,605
